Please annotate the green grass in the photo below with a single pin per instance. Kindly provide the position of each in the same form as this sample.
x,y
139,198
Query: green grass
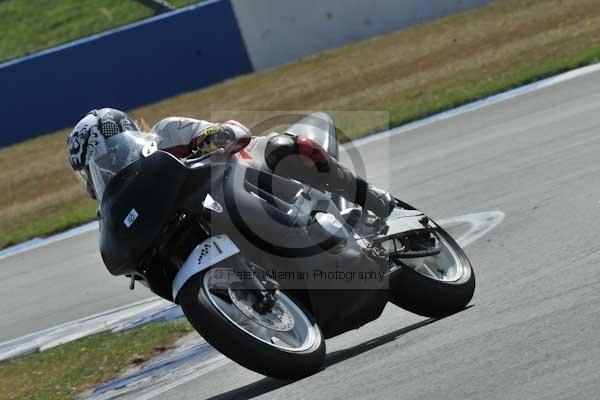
x,y
56,218
184,3
27,26
457,96
64,371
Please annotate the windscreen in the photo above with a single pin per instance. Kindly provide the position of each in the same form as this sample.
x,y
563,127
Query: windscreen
x,y
120,151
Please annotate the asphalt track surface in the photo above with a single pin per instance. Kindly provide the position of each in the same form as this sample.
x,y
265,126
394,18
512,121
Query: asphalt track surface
x,y
532,330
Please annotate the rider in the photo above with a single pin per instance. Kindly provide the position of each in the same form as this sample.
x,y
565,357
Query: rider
x,y
310,163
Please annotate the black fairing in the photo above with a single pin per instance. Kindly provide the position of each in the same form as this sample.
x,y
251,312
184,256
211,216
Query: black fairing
x,y
151,187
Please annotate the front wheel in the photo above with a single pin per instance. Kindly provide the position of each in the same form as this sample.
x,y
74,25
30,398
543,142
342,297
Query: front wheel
x,y
284,342
434,286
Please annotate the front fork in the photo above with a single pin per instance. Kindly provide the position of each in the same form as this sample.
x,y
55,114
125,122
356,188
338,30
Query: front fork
x,y
262,288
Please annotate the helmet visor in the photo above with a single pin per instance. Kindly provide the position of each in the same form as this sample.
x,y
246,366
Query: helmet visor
x,y
84,177
120,151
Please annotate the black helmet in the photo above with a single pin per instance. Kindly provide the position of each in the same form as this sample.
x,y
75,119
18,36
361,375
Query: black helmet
x,y
88,139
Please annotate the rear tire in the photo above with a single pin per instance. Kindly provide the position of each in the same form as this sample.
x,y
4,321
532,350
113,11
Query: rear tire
x,y
423,295
242,347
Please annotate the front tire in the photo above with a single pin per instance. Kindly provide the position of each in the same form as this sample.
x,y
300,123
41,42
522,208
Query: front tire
x,y
421,289
246,343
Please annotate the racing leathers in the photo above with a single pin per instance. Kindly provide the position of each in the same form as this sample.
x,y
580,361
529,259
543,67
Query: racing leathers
x,y
285,154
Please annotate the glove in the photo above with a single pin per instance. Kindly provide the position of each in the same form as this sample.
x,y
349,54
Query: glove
x,y
213,138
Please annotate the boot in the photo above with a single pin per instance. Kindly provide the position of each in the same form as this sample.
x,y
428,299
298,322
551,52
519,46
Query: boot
x,y
380,202
358,191
324,172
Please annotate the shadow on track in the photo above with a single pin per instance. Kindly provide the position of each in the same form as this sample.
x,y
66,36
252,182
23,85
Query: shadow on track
x,y
343,355
266,385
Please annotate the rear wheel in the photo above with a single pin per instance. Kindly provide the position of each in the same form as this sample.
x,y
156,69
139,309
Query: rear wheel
x,y
434,286
284,342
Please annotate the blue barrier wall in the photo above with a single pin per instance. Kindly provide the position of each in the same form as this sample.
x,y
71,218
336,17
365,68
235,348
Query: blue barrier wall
x,y
123,68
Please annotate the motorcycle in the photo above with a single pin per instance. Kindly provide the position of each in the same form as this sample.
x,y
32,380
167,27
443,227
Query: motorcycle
x,y
266,268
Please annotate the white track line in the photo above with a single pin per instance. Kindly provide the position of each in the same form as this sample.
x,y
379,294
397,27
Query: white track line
x,y
532,87
115,320
488,101
41,242
479,225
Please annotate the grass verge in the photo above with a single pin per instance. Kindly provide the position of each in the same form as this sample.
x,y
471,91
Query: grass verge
x,y
33,25
410,74
64,371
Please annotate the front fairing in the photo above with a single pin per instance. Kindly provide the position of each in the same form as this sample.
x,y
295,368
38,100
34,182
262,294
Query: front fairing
x,y
144,197
136,204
